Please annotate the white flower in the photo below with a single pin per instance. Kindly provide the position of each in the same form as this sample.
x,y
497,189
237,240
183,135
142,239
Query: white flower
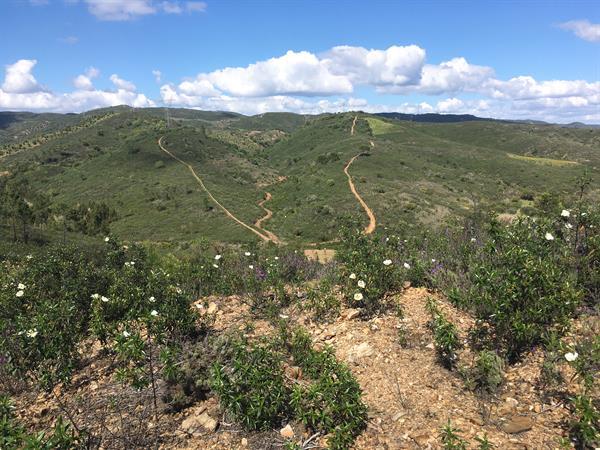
x,y
32,333
154,313
250,266
215,266
125,247
571,356
565,213
178,290
387,262
218,257
549,237
432,260
29,257
199,305
104,299
568,226
358,296
473,240
152,299
352,276
95,296
406,265
126,333
584,214
20,293
247,253
276,258
361,284
106,239
21,286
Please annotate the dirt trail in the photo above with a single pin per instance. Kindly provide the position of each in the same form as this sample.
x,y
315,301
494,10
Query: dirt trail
x,y
267,216
372,219
264,237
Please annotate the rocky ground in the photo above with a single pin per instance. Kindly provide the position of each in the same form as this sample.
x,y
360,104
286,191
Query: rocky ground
x,y
410,396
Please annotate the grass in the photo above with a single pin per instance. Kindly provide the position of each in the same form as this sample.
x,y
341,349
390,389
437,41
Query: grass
x,y
379,126
537,160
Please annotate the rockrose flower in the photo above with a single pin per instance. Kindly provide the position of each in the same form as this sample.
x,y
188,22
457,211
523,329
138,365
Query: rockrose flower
x,y
387,262
571,356
361,284
549,237
565,213
352,276
358,296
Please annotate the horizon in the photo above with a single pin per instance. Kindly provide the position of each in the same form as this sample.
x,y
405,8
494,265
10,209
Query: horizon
x,y
529,61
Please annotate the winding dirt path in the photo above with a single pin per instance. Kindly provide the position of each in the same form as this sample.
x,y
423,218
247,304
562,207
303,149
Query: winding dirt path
x,y
267,216
264,237
372,219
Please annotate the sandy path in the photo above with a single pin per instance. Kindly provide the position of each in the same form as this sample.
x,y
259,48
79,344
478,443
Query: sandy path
x,y
201,183
372,220
267,216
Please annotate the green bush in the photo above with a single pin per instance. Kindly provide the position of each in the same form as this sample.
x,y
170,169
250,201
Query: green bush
x,y
523,286
445,336
488,371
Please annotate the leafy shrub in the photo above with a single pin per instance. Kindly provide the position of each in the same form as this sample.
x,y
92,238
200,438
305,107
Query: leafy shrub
x,y
251,386
523,286
450,438
322,301
445,335
585,427
488,371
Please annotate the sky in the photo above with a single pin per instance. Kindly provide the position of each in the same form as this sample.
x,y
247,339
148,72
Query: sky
x,y
502,59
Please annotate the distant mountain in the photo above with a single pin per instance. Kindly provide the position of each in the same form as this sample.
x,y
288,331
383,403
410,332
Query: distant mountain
x,y
433,118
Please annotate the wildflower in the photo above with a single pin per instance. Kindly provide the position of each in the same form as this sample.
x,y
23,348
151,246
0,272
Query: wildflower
x,y
95,296
571,356
432,260
152,299
473,239
21,286
361,284
352,276
215,266
178,290
565,213
250,266
549,237
199,305
125,247
20,293
29,257
247,253
106,239
104,299
568,226
276,258
406,265
218,257
32,333
387,262
358,296
126,334
154,313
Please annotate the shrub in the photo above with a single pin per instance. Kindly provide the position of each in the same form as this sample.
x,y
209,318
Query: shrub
x,y
585,427
445,336
488,371
523,285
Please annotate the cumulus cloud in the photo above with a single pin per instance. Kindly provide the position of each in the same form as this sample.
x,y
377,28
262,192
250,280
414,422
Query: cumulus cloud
x,y
583,29
84,81
395,66
19,79
157,75
21,91
121,83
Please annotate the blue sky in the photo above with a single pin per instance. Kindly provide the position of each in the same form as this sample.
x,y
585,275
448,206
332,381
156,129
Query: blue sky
x,y
536,59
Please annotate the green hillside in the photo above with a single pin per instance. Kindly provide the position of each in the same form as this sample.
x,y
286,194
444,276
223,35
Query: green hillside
x,y
408,173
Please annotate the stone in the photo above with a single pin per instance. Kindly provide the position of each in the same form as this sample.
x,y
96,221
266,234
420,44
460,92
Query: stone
x,y
287,432
351,314
360,351
517,424
406,284
244,442
196,424
212,308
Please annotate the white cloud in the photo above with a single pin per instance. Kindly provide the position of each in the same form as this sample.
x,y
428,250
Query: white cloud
x,y
120,9
21,91
71,40
395,66
157,75
84,81
122,84
583,29
19,79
